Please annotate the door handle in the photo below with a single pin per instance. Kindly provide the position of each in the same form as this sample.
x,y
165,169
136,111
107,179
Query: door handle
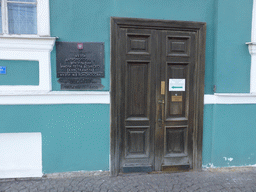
x,y
161,119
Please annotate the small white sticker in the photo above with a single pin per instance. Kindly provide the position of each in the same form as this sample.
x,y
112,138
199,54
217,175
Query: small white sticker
x,y
176,84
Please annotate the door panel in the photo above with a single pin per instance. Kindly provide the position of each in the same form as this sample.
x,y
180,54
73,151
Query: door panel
x,y
152,122
178,124
138,43
137,142
176,100
139,75
137,82
178,46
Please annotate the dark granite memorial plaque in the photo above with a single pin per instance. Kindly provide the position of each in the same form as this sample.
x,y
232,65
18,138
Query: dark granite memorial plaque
x,y
80,66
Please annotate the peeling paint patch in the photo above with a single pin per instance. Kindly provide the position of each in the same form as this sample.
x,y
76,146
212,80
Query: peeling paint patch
x,y
228,159
209,165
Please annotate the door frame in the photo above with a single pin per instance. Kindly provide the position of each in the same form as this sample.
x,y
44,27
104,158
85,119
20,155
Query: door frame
x,y
200,29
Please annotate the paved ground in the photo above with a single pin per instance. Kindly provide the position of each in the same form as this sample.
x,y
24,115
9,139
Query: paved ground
x,y
243,179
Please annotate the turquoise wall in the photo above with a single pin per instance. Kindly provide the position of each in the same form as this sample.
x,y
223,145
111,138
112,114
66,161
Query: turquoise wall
x,y
232,60
89,21
229,132
20,72
207,134
74,137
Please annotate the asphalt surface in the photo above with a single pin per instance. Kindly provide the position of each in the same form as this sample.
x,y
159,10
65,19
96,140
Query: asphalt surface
x,y
232,179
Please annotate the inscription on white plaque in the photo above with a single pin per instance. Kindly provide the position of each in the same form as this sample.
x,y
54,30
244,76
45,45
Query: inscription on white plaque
x,y
177,84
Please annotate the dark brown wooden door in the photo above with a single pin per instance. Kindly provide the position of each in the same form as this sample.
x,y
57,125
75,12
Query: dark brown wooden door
x,y
138,112
175,105
155,86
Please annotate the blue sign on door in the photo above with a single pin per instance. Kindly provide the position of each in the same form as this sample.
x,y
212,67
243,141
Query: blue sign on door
x,y
2,70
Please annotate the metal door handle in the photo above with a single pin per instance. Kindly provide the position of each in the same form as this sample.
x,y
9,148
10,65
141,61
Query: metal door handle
x,y
163,112
161,102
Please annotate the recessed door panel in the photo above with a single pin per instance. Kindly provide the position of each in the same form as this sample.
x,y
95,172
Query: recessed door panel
x,y
177,103
137,142
178,46
175,141
138,43
137,84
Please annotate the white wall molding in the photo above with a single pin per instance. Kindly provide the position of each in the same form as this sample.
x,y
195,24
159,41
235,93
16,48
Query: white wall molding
x,y
21,155
26,43
230,98
103,97
31,49
43,18
57,97
252,51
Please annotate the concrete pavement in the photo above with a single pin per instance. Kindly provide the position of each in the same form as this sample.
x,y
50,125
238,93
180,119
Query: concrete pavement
x,y
227,179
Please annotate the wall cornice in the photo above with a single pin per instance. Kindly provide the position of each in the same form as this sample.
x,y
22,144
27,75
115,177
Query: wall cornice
x,y
26,43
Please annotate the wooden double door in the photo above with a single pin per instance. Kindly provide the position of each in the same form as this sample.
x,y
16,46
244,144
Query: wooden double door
x,y
156,95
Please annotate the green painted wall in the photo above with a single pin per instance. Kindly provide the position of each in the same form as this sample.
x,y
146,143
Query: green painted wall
x,y
232,59
20,72
89,21
74,137
207,134
229,132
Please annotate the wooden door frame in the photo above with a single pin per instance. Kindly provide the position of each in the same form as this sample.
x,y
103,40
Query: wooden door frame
x,y
200,29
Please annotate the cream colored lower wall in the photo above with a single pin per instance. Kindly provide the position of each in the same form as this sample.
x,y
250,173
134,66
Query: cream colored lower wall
x,y
20,155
